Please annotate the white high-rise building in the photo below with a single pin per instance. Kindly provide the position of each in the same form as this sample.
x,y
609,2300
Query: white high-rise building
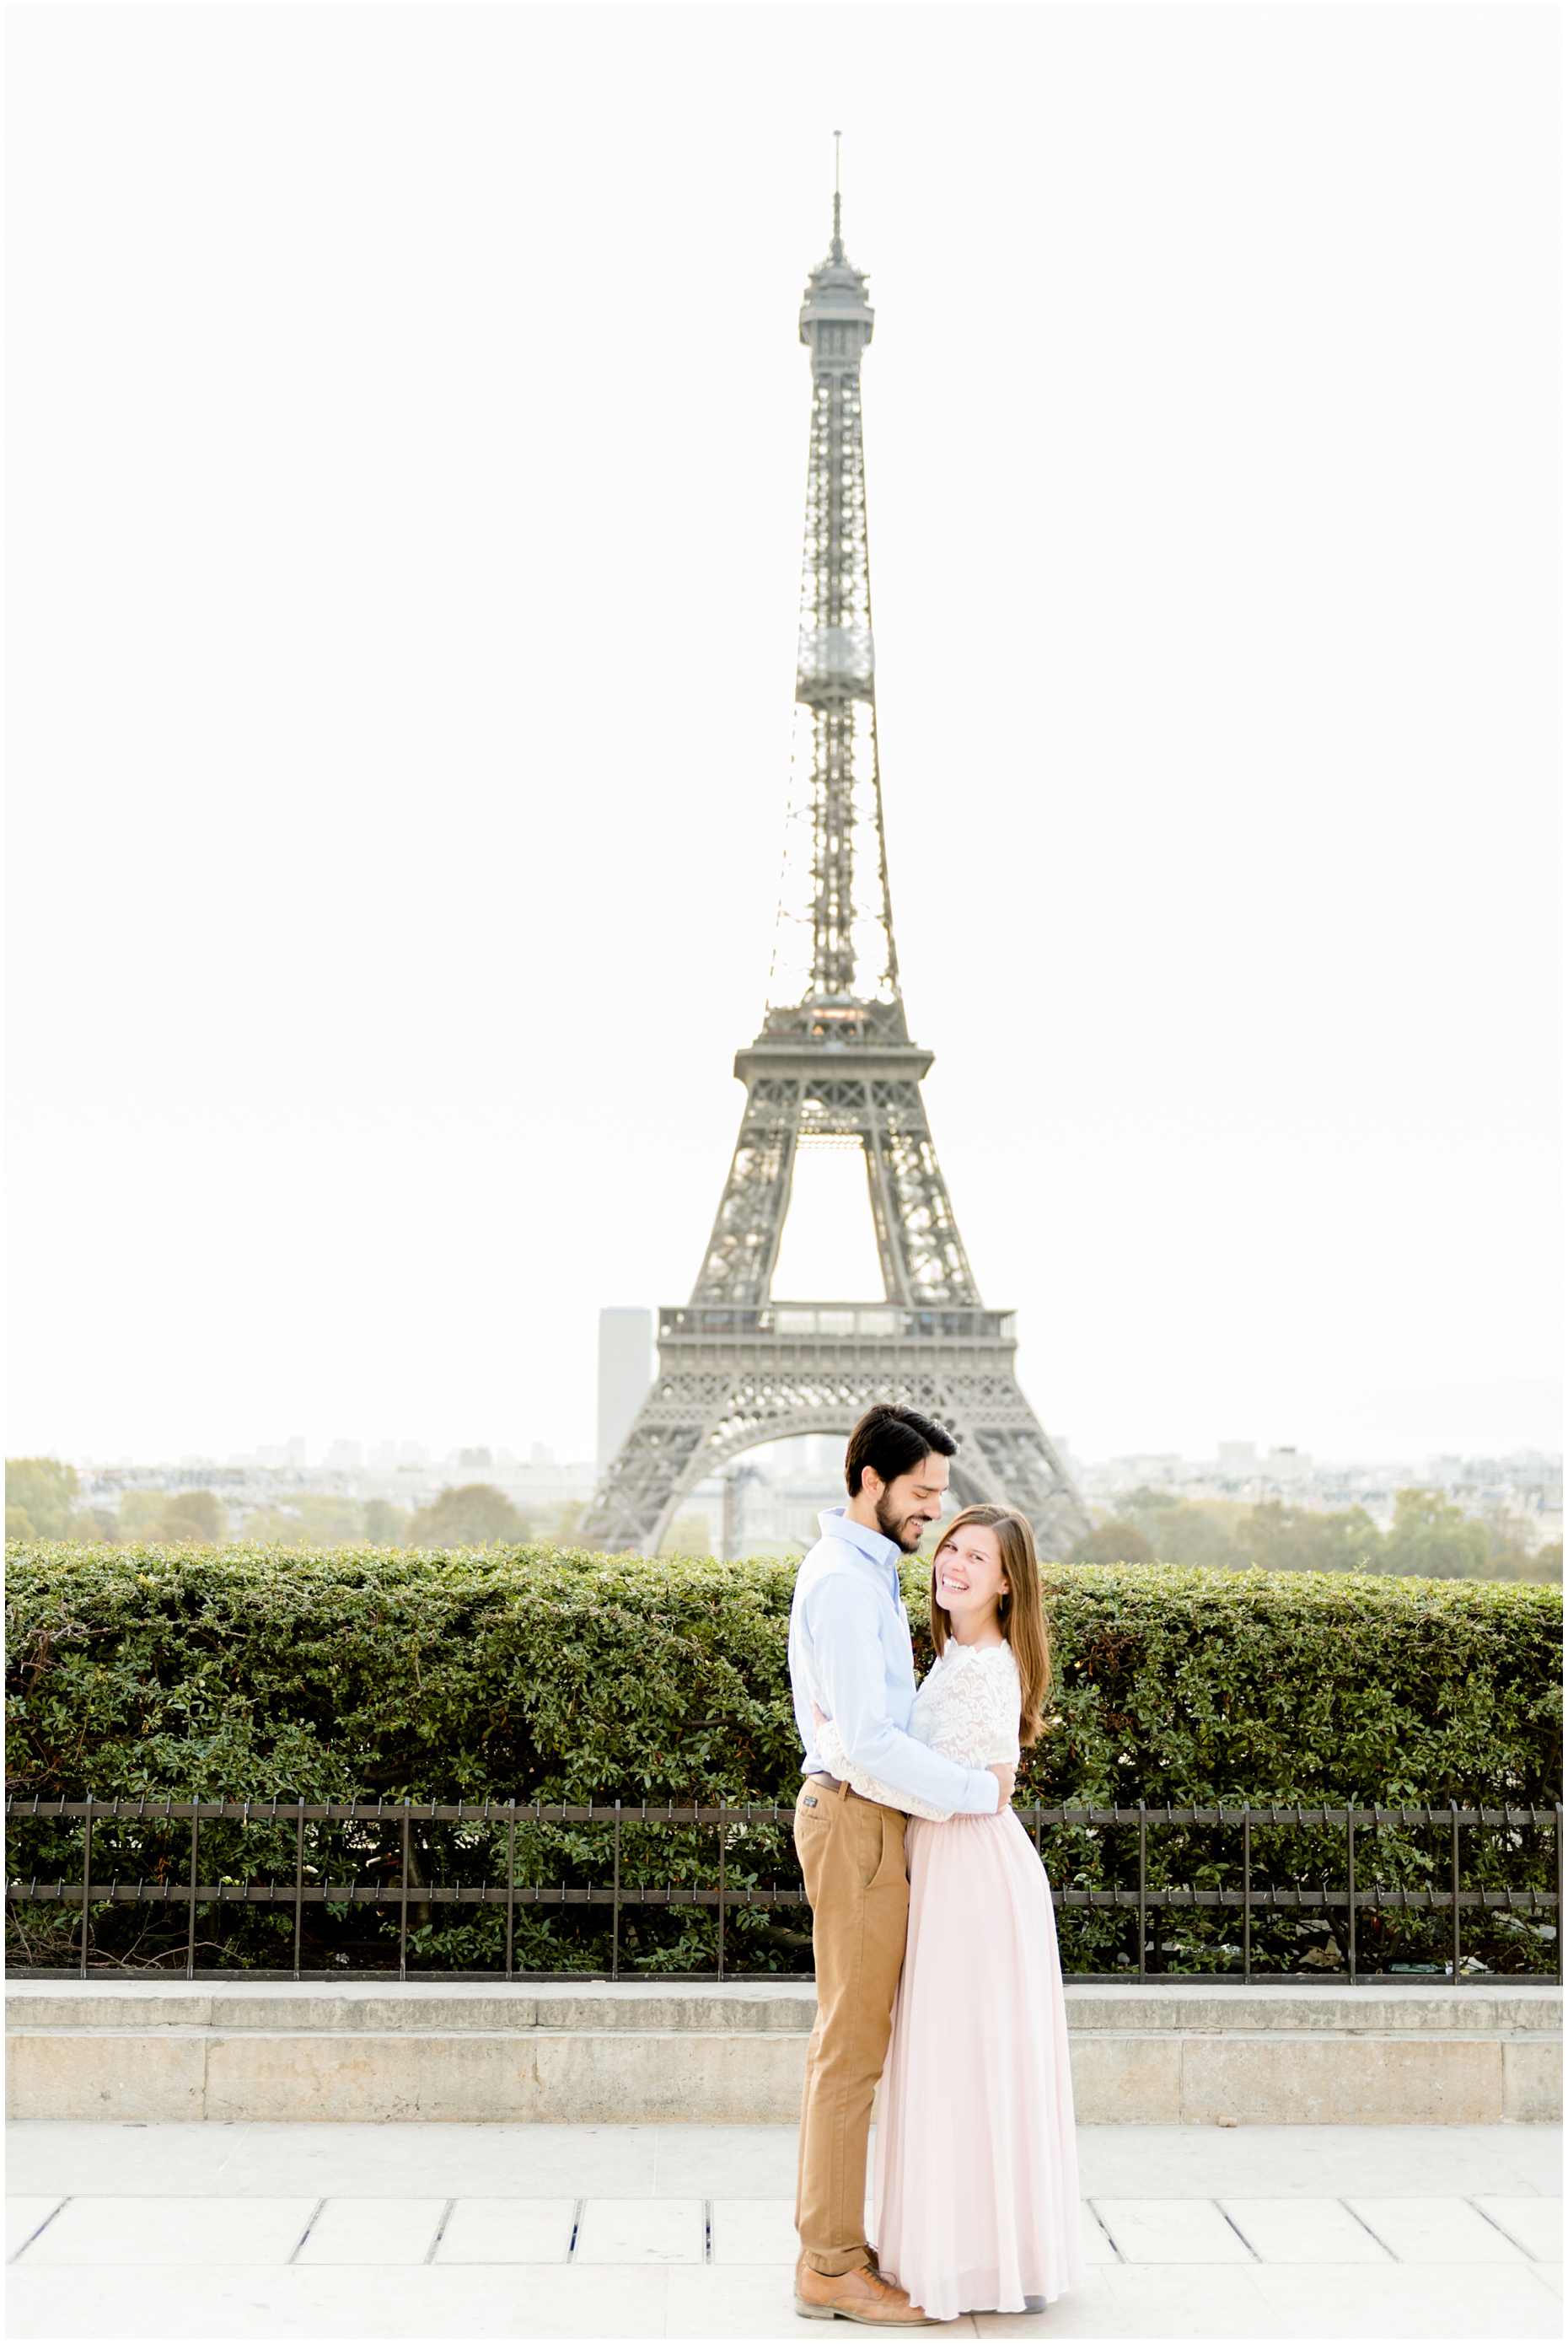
x,y
625,1373
1287,1465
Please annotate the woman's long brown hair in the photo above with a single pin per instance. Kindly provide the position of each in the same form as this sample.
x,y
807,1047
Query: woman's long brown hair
x,y
1022,1614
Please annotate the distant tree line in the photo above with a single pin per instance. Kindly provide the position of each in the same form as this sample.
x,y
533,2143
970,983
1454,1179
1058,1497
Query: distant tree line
x,y
1430,1538
43,1500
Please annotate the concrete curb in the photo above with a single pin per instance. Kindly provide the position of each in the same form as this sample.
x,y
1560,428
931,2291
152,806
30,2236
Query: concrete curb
x,y
673,2052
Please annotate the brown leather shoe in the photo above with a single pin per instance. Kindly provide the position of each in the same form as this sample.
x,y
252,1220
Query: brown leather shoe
x,y
861,2295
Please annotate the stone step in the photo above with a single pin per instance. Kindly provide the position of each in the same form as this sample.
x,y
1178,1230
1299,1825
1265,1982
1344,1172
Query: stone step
x,y
672,2050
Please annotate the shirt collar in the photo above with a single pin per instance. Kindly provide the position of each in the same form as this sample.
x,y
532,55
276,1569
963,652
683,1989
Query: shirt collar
x,y
836,1523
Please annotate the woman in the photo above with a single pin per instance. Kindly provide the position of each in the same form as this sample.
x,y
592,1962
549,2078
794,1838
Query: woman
x,y
975,2184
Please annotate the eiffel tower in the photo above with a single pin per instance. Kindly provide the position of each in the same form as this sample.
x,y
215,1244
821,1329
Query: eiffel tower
x,y
833,1064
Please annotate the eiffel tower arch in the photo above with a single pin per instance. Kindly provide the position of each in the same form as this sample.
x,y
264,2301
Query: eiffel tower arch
x,y
833,1063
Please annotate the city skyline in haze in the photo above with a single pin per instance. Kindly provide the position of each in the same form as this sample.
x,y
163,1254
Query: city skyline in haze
x,y
1239,1459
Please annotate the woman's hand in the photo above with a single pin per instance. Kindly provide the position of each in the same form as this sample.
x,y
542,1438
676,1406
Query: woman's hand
x,y
817,1716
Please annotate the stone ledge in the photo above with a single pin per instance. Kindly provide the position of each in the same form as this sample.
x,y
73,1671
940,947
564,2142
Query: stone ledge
x,y
394,2008
1529,2006
668,2006
621,2075
672,2050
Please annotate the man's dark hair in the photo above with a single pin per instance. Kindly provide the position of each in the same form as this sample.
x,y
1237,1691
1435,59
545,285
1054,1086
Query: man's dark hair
x,y
892,1441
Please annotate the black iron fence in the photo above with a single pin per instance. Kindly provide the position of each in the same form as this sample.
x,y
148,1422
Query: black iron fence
x,y
462,1889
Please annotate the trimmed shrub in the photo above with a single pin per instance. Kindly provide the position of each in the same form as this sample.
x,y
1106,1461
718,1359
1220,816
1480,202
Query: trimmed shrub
x,y
541,1675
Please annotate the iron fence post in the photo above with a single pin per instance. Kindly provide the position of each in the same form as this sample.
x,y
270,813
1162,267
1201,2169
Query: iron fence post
x,y
190,1918
1351,1883
1453,1816
1246,1895
403,1904
86,1876
615,1904
299,1883
721,1889
511,1877
1143,1891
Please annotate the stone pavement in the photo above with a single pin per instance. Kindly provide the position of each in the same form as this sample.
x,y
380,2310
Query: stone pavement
x,y
338,2230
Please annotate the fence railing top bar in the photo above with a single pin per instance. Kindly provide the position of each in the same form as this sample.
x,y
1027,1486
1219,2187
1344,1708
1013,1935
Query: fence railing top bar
x,y
264,1810
1378,1982
287,1809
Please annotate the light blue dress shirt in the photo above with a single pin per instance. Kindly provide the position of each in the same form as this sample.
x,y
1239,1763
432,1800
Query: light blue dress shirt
x,y
850,1652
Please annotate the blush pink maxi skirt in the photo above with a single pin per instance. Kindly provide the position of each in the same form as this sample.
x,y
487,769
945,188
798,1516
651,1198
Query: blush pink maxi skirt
x,y
975,2178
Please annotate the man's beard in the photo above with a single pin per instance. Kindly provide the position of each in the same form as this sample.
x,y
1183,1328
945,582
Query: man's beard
x,y
890,1527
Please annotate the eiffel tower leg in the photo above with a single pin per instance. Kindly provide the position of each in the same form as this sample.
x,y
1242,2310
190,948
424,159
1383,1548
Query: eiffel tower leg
x,y
923,1252
661,1458
694,1421
1026,1473
1005,1458
972,1482
749,1221
691,1424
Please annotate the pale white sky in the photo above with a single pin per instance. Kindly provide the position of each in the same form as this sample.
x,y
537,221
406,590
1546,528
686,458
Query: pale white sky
x,y
408,445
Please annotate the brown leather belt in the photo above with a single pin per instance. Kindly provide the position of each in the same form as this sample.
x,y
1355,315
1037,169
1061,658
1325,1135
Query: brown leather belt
x,y
848,1790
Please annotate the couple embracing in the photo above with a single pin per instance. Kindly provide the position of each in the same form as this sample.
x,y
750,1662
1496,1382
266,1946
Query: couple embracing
x,y
935,1945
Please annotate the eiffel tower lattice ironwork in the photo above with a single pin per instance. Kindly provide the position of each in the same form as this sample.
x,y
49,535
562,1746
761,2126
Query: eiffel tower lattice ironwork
x,y
833,1063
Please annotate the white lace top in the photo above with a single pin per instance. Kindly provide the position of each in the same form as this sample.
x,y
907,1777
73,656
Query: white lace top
x,y
968,1710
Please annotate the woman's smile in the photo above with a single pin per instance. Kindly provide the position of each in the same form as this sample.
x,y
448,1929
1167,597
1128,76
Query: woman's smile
x,y
969,1583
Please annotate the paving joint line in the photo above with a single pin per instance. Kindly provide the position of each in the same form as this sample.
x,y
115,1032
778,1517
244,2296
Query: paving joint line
x,y
38,2233
305,2234
1108,2233
1098,2220
1225,2216
1501,2232
446,2213
1376,2236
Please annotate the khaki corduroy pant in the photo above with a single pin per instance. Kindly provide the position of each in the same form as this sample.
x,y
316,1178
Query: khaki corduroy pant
x,y
852,1860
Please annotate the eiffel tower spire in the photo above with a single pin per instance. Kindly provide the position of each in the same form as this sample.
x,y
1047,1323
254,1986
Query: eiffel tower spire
x,y
834,945
833,1063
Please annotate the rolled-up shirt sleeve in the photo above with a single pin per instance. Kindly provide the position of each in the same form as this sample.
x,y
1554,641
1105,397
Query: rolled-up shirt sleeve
x,y
852,1692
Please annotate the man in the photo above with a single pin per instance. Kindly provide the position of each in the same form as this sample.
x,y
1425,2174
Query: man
x,y
851,1659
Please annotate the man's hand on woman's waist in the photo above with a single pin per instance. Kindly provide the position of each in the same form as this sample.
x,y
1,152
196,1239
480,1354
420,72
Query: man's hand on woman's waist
x,y
1006,1776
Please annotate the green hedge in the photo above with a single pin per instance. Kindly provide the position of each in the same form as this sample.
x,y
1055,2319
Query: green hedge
x,y
536,1674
